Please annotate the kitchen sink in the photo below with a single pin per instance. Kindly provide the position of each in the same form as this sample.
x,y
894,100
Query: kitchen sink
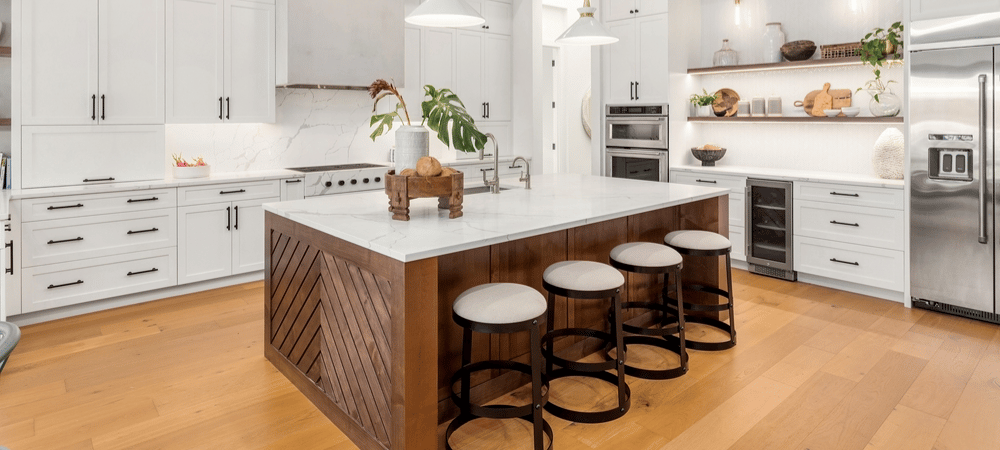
x,y
481,190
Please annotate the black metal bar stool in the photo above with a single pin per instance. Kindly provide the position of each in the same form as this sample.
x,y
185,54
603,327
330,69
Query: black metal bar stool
x,y
585,280
707,244
500,308
654,259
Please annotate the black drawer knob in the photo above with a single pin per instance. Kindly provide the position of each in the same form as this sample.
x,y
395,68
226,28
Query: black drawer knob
x,y
354,181
329,183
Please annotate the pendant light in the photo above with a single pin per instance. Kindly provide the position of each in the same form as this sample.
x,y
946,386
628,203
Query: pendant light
x,y
587,30
737,13
445,13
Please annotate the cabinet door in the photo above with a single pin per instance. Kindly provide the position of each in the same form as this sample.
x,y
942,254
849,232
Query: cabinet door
x,y
204,242
470,75
619,9
937,9
645,8
654,75
11,289
59,62
478,6
195,49
292,190
248,235
438,57
498,78
621,58
499,17
250,62
131,62
412,88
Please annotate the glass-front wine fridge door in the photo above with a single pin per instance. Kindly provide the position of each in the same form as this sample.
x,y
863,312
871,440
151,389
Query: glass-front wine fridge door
x,y
769,219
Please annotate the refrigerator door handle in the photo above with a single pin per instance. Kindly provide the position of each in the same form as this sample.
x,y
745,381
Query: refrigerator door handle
x,y
983,160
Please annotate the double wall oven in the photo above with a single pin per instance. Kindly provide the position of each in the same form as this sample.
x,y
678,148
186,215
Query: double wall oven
x,y
636,143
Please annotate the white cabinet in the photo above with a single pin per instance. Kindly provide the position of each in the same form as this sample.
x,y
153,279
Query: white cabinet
x,y
81,155
499,78
937,9
204,241
484,75
11,257
626,9
737,203
89,62
294,189
248,235
220,61
637,69
438,57
499,15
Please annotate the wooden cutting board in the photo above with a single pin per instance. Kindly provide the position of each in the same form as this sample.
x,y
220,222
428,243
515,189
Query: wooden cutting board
x,y
842,98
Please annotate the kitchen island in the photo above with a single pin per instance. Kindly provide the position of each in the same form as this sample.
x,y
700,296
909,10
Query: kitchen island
x,y
359,306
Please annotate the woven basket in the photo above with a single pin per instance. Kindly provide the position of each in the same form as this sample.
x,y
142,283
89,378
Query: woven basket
x,y
840,50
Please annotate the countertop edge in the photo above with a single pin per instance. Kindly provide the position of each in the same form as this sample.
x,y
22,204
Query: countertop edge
x,y
221,178
790,175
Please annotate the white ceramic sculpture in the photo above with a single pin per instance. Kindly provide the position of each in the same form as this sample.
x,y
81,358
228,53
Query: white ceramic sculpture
x,y
585,110
887,156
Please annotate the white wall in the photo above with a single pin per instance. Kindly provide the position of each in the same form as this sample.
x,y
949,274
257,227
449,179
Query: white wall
x,y
574,69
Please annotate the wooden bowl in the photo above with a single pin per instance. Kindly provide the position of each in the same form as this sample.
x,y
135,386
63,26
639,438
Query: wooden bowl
x,y
798,50
726,103
708,157
448,189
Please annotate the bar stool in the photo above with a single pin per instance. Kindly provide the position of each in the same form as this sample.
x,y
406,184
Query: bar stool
x,y
708,244
655,259
500,308
585,280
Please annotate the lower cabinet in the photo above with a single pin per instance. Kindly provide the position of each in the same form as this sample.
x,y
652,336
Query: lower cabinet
x,y
220,239
11,290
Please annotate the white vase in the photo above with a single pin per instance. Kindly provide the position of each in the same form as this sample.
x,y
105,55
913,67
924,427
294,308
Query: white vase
x,y
887,156
412,143
774,38
706,111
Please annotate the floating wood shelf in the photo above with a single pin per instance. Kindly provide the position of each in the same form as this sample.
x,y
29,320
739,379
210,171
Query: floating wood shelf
x,y
787,65
4,52
857,120
4,122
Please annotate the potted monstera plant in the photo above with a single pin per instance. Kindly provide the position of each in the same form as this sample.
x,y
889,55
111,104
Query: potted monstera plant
x,y
444,113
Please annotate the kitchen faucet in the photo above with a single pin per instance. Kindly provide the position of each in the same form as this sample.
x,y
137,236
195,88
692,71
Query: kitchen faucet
x,y
526,174
494,184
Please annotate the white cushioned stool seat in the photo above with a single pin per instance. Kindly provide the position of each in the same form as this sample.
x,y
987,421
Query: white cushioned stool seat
x,y
697,240
646,254
500,303
584,276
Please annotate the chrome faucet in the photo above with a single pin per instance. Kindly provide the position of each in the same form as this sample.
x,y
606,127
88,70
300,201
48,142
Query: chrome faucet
x,y
494,184
526,174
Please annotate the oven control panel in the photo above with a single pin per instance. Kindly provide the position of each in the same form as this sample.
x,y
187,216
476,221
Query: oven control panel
x,y
345,181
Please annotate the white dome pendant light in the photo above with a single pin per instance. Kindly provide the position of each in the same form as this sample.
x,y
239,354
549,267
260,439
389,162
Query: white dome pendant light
x,y
587,30
445,14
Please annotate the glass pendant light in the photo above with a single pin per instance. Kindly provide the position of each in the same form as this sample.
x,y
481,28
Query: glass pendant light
x,y
445,13
587,30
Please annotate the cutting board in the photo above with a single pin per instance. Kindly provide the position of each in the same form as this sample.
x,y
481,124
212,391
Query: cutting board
x,y
842,98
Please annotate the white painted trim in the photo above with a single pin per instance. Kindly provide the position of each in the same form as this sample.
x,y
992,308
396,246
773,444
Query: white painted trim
x,y
884,294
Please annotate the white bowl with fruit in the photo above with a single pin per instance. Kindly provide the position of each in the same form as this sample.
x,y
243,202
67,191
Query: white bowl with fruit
x,y
184,169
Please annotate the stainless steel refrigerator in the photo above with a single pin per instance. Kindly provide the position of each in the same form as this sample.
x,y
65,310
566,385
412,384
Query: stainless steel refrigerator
x,y
953,168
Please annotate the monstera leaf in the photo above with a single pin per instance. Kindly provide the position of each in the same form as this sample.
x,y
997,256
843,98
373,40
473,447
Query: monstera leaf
x,y
442,108
384,121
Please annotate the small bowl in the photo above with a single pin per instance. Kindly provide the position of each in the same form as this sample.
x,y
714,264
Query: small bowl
x,y
798,50
708,157
851,111
184,173
831,112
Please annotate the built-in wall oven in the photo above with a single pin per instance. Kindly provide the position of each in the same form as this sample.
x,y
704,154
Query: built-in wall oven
x,y
636,142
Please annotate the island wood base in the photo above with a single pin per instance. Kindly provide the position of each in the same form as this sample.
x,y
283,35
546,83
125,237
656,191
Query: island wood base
x,y
370,340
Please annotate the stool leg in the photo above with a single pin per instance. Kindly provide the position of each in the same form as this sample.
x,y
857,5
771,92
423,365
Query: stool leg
x,y
549,324
729,291
666,295
620,342
536,387
680,318
466,360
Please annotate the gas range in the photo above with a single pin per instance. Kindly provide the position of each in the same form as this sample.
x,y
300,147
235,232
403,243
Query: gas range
x,y
343,179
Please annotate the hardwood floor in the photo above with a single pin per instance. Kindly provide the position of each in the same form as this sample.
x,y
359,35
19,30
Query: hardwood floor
x,y
814,369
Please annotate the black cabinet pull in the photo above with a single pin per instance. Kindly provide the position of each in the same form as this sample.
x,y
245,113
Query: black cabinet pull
x,y
229,108
707,181
844,195
236,212
293,181
53,208
488,106
94,180
10,268
844,262
845,224
144,271
631,90
93,107
66,240
229,218
636,12
631,11
484,110
637,87
56,286
103,106
232,192
151,230
151,199
220,108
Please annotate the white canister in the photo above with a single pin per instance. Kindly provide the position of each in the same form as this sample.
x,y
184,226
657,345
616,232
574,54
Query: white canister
x,y
774,38
758,107
412,143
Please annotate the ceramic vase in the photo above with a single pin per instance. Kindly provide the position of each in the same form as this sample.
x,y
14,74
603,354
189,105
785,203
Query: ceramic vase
x,y
774,38
706,111
412,143
887,156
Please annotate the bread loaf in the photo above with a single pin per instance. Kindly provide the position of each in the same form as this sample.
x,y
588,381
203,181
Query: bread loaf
x,y
408,173
448,171
428,166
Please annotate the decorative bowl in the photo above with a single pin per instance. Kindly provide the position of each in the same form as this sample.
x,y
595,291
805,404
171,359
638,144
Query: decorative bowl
x,y
182,173
798,50
831,112
708,157
851,111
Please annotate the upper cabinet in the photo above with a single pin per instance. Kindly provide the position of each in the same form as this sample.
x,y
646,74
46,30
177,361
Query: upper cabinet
x,y
637,70
89,62
937,9
220,64
630,9
499,15
484,77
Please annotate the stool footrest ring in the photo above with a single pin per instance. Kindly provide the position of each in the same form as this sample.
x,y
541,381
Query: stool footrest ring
x,y
494,411
714,323
463,419
590,417
671,345
550,337
671,320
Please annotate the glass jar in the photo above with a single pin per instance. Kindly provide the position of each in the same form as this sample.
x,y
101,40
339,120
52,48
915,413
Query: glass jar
x,y
887,105
774,38
727,56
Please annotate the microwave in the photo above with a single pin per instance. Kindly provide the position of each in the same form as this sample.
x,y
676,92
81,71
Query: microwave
x,y
637,126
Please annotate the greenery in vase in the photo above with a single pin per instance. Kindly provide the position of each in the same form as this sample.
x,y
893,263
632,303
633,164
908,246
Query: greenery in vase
x,y
876,47
441,108
703,100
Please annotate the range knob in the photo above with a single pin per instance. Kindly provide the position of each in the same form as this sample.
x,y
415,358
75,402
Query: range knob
x,y
329,183
340,183
354,181
378,179
366,180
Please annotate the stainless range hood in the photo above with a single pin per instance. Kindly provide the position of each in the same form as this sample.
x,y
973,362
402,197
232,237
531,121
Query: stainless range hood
x,y
339,44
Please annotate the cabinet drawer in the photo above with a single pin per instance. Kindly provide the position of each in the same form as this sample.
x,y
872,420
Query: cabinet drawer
x,y
59,241
737,184
737,236
850,195
86,155
852,263
874,227
233,192
35,209
57,285
737,209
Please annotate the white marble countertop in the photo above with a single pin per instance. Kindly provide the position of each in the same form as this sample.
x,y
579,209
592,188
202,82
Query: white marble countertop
x,y
555,202
795,175
215,178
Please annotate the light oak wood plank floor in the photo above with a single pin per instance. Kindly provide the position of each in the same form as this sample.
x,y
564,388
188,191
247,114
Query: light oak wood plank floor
x,y
814,369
